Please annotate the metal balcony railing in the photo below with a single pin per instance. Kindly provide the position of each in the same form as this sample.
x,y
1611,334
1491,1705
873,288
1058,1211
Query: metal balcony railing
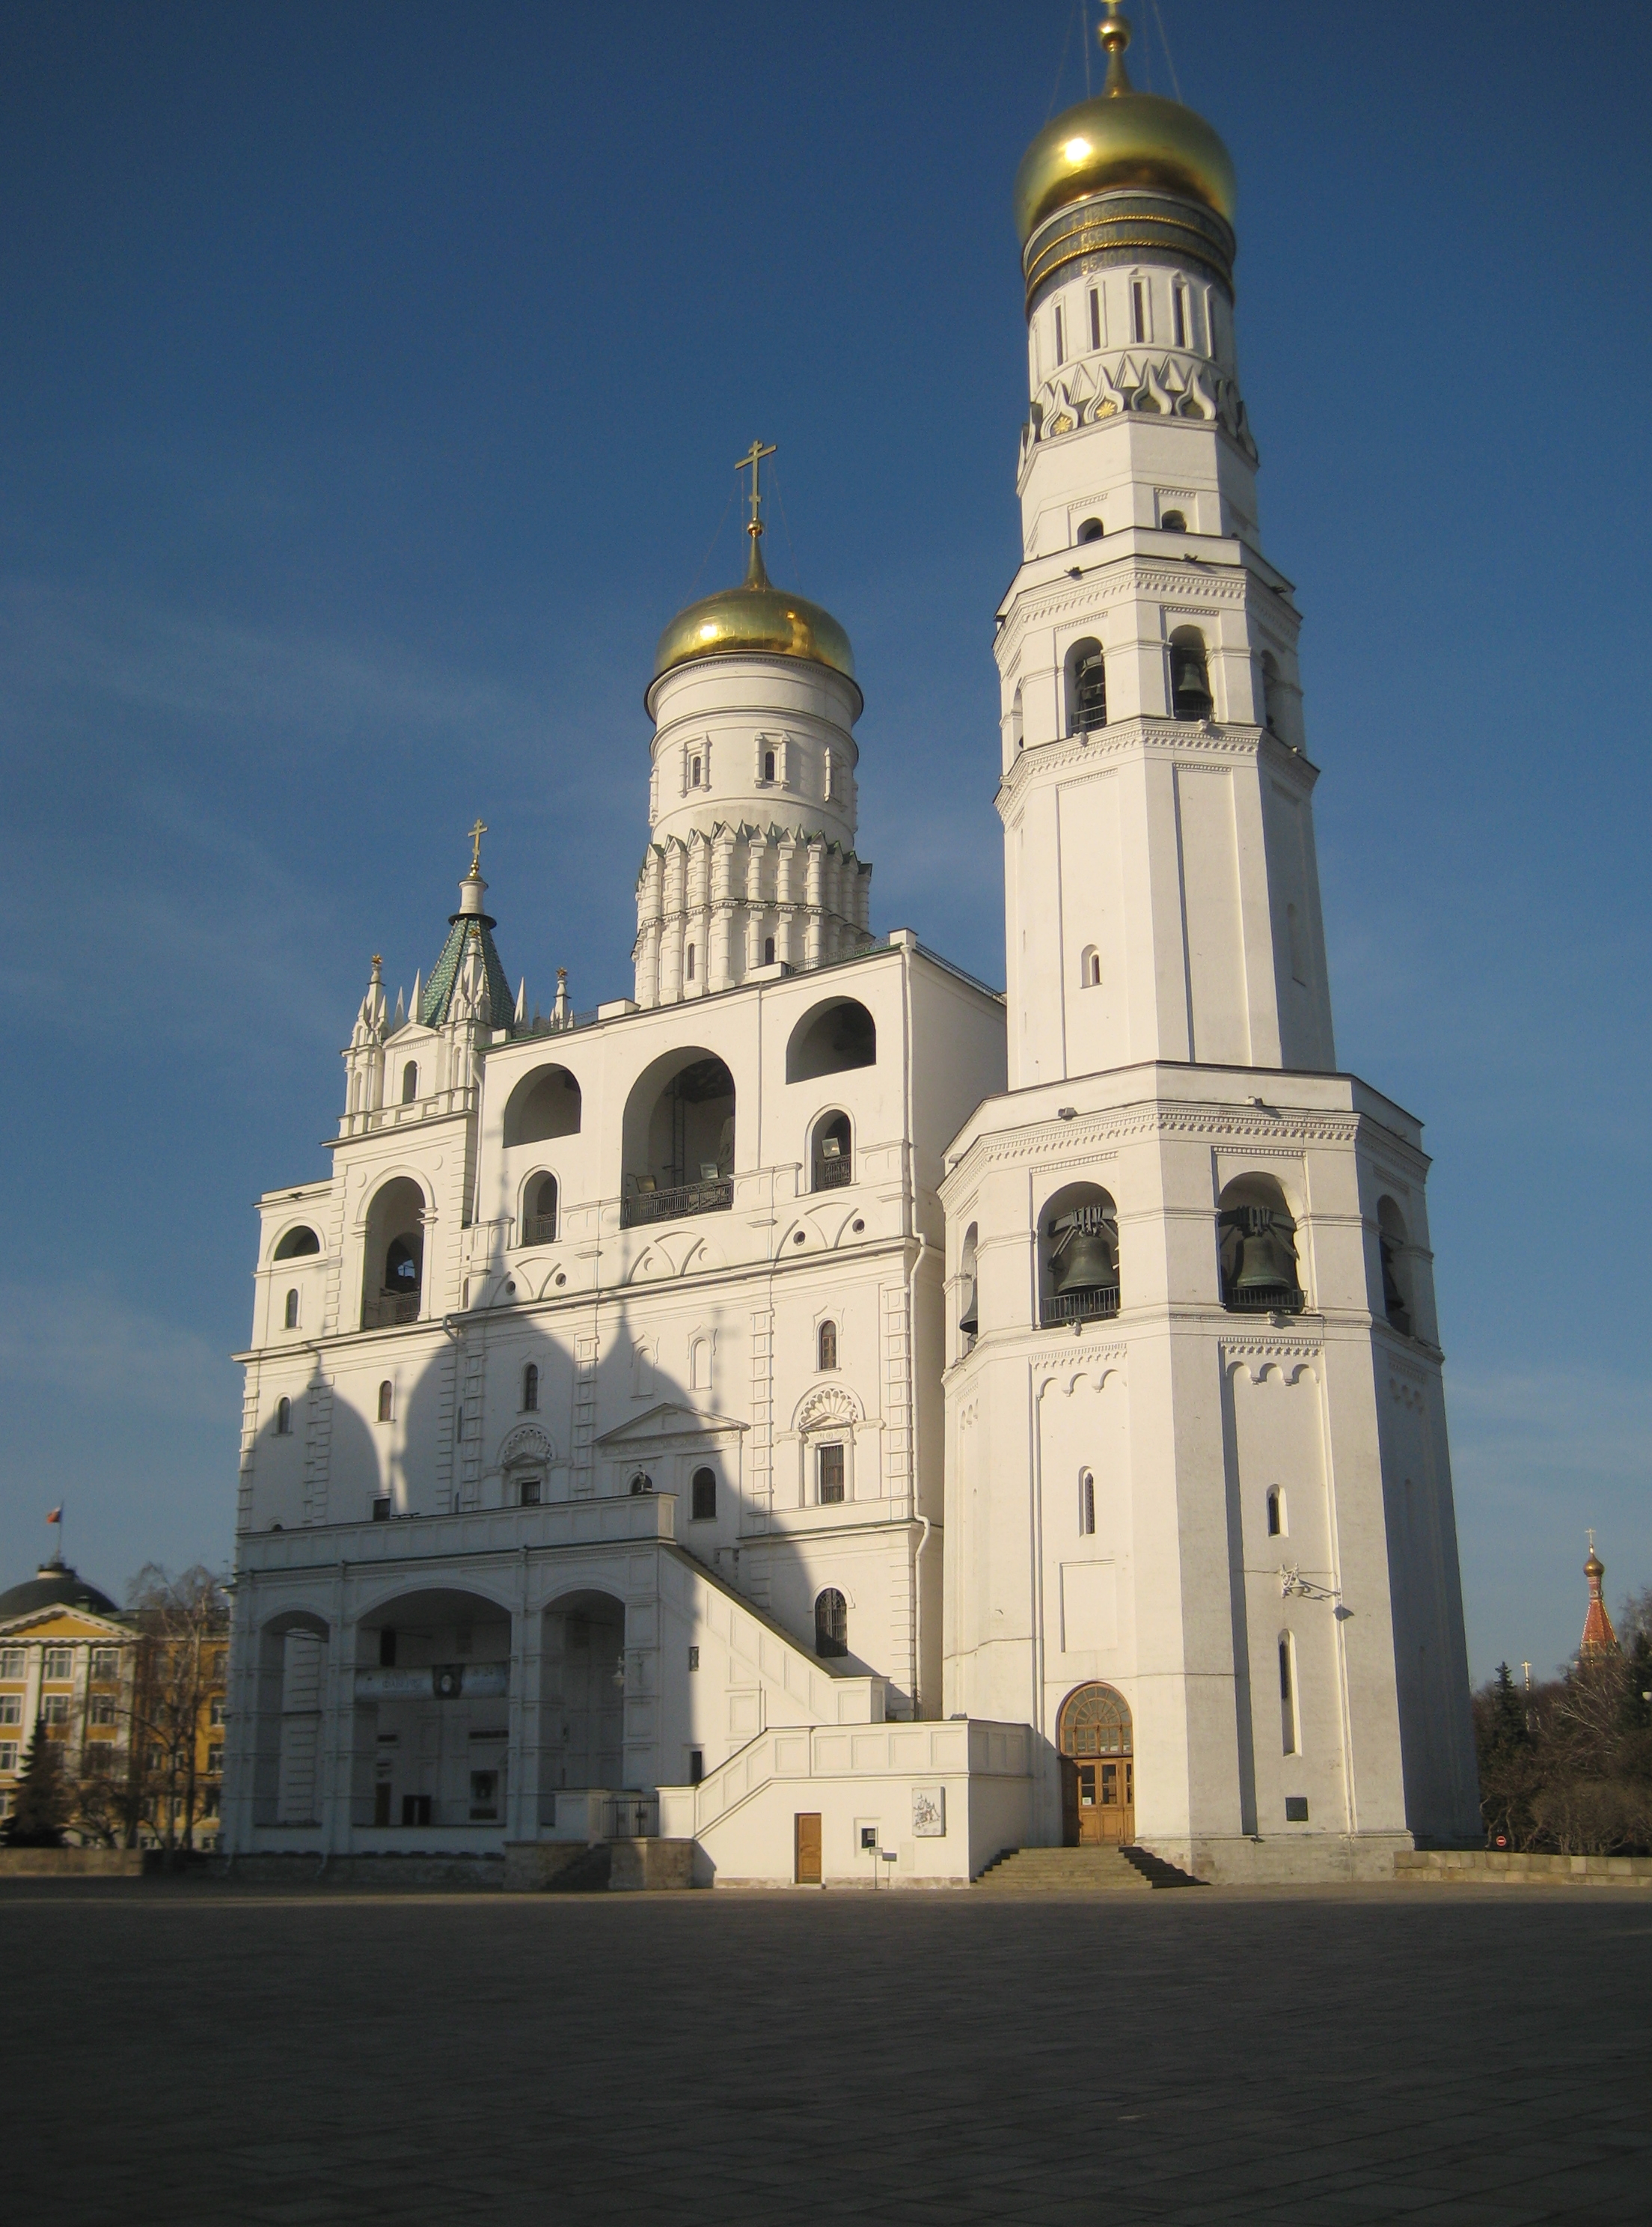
x,y
1086,1302
538,1230
390,1308
1263,1300
632,1817
832,1175
673,1205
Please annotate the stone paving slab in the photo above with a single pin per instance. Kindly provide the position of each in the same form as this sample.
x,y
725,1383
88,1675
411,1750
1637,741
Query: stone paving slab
x,y
325,2059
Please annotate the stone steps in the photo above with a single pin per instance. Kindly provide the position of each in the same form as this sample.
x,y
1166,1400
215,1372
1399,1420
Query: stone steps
x,y
1078,1871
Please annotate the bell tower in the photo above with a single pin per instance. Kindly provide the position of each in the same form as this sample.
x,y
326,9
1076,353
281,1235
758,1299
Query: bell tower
x,y
1161,890
1199,1521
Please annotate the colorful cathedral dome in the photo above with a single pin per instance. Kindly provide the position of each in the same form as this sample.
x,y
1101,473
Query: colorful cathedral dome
x,y
1122,139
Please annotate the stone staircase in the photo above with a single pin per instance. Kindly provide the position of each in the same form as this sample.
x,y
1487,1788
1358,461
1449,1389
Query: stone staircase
x,y
1078,1871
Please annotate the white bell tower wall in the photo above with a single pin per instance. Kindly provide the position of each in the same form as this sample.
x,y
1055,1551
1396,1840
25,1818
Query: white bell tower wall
x,y
1161,887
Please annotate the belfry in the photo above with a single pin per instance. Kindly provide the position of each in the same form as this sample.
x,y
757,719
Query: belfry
x,y
817,1418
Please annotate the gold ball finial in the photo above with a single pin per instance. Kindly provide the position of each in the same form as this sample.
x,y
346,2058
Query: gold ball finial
x,y
1114,33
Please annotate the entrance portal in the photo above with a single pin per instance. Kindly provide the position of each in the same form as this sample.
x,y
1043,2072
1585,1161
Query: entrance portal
x,y
1098,1769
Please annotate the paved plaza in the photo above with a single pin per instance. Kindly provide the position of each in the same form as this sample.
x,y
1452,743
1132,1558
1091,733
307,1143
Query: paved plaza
x,y
185,2052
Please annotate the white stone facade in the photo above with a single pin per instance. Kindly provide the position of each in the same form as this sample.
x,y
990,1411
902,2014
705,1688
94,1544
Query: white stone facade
x,y
780,1399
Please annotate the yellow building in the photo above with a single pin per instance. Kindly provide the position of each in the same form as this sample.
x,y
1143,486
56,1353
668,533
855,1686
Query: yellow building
x,y
116,1692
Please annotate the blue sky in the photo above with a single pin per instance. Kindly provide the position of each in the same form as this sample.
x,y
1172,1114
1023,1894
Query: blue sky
x,y
373,379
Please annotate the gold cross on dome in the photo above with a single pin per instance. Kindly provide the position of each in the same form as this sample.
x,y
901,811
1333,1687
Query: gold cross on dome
x,y
751,460
476,834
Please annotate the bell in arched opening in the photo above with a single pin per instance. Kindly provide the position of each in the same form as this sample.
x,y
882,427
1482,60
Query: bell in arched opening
x,y
1090,693
970,1321
1259,1254
1190,697
1083,1257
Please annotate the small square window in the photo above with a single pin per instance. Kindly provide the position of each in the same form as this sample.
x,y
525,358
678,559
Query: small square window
x,y
1295,1808
381,1509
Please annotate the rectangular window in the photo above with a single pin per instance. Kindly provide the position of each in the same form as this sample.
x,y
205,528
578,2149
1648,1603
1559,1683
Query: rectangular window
x,y
694,1658
381,1509
11,1708
705,1495
484,1796
531,1487
1061,335
214,1760
832,1474
1179,311
59,1662
8,1755
209,1802
1087,1503
696,1765
106,1666
13,1663
102,1711
1095,318
55,1708
217,1714
1137,311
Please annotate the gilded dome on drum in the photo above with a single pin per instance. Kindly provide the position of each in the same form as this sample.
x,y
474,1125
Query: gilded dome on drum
x,y
756,619
1122,139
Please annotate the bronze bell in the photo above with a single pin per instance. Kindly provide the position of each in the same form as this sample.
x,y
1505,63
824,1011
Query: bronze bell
x,y
1266,1259
1190,687
970,1321
1086,1262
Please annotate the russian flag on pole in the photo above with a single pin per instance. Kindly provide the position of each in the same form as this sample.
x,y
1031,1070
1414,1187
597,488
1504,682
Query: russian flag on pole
x,y
55,1514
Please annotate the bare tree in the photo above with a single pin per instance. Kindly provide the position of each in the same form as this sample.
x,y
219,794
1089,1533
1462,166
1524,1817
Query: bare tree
x,y
182,1623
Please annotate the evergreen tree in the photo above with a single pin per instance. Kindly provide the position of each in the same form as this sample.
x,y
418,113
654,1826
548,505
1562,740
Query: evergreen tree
x,y
1507,1729
41,1804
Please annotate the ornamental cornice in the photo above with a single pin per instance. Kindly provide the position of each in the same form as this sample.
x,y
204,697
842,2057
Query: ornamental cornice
x,y
1097,1136
1187,739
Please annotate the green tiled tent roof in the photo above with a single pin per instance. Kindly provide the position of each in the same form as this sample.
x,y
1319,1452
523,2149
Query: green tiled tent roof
x,y
437,994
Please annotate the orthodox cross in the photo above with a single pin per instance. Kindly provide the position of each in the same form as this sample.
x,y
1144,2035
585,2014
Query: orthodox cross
x,y
751,460
476,834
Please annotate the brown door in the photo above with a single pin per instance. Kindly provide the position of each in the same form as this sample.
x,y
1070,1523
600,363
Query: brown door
x,y
1098,1769
808,1849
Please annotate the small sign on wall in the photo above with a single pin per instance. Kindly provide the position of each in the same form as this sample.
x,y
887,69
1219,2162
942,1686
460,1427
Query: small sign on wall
x,y
929,1812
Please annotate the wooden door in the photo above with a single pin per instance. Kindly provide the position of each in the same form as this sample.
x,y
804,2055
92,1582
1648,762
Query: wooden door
x,y
1098,1769
808,1866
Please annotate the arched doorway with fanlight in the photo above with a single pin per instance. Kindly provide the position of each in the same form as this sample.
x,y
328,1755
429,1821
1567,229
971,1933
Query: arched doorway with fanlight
x,y
1097,1746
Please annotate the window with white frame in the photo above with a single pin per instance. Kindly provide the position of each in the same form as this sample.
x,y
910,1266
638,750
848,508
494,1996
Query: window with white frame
x,y
11,1708
55,1708
830,1473
217,1714
14,1661
8,1755
106,1664
101,1709
59,1663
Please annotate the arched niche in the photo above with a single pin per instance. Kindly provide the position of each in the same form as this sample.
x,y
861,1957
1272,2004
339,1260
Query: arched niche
x,y
678,1137
295,1244
831,1039
393,1276
1078,1257
546,1103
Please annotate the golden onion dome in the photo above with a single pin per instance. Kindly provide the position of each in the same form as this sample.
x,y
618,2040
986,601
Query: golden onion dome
x,y
1122,139
756,619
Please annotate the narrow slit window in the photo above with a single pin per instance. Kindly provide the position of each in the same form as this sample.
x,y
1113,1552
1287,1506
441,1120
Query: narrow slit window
x,y
387,1402
1095,318
1179,313
694,774
1087,1502
531,1388
1275,1512
409,1082
283,1419
768,951
1137,311
769,765
1287,1695
828,1345
688,964
1061,335
292,1311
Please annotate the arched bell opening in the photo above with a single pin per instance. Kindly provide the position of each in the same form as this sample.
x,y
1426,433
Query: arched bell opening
x,y
392,1282
1095,1740
1256,1237
1086,677
1190,697
1078,1258
969,1304
432,1711
1394,1250
539,1209
582,1698
679,1138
